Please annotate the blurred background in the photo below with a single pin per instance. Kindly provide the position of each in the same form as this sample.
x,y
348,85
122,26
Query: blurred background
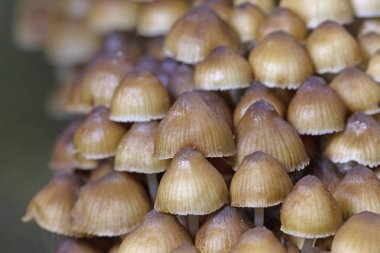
x,y
26,136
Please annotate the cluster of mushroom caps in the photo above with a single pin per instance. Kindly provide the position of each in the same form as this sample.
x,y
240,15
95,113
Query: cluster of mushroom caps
x,y
212,113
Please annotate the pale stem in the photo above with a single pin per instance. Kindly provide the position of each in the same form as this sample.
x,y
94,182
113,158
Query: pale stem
x,y
183,220
152,185
259,216
308,244
193,222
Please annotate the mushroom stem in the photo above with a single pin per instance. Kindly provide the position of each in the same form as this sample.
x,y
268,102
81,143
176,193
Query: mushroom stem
x,y
308,244
183,220
235,95
193,223
259,216
152,185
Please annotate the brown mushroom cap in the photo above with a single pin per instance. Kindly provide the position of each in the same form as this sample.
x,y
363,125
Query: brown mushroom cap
x,y
191,185
310,211
158,232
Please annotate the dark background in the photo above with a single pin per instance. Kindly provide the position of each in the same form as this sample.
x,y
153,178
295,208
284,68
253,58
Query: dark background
x,y
26,137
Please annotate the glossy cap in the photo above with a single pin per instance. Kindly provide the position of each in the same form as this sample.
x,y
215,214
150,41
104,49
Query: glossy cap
x,y
223,69
360,234
358,191
262,129
51,206
254,93
358,91
221,231
191,185
113,205
135,152
316,109
310,211
258,239
140,97
283,19
157,17
260,181
359,142
246,19
332,48
97,137
279,61
190,122
315,12
186,41
158,232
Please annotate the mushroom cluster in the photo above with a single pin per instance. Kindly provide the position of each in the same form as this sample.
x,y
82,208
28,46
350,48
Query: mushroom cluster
x,y
211,126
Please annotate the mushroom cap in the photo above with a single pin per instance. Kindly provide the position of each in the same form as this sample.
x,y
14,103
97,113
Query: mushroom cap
x,y
358,191
258,239
262,129
223,69
360,234
315,12
190,122
158,232
190,41
221,231
360,142
310,211
112,205
316,109
51,206
332,48
260,181
191,185
358,91
279,61
135,152
76,246
140,97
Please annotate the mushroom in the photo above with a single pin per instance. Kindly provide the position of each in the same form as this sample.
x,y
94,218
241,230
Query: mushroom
x,y
310,212
358,91
315,12
258,239
157,233
360,234
332,48
359,142
97,137
262,129
358,191
259,182
112,205
316,109
135,153
221,231
374,66
157,17
191,186
279,61
52,205
191,27
283,19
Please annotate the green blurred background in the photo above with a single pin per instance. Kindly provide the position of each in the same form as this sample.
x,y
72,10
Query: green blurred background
x,y
26,137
